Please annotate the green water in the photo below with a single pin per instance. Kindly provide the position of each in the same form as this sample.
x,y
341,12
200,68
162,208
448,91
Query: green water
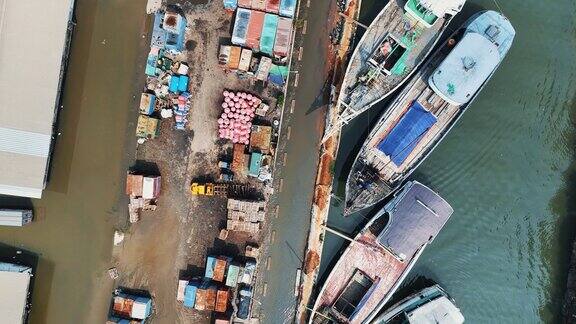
x,y
506,170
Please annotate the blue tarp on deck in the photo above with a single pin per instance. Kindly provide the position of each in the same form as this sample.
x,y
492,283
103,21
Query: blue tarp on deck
x,y
400,142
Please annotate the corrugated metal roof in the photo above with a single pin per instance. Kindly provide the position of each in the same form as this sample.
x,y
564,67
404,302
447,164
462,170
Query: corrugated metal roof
x,y
23,142
21,191
13,296
29,107
417,214
12,217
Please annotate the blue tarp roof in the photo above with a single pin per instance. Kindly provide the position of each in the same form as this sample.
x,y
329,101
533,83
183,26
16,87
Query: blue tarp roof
x,y
230,4
183,83
407,133
287,8
190,295
151,64
278,74
210,262
174,81
255,162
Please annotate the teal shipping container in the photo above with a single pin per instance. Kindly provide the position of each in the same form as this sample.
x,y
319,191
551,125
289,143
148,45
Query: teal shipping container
x,y
268,33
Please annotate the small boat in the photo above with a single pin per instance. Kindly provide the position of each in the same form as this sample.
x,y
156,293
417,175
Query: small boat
x,y
380,256
429,106
428,306
391,49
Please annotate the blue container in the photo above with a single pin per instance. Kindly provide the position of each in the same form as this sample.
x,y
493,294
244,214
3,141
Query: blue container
x,y
174,82
190,295
210,262
183,83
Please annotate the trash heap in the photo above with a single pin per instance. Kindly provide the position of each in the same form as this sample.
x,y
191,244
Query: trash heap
x,y
235,122
181,109
143,192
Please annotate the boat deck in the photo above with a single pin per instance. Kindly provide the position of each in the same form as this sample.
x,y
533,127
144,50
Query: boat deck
x,y
372,165
372,259
358,96
444,112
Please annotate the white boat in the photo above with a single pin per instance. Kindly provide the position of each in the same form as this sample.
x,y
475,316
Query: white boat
x,y
430,305
428,107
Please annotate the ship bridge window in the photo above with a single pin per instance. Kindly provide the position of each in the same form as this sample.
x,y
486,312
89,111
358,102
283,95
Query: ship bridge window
x,y
388,58
353,295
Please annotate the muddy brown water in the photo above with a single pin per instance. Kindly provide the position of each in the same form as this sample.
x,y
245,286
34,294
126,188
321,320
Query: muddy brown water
x,y
76,217
506,168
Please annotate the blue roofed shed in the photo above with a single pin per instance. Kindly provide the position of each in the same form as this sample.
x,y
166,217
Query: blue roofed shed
x,y
158,34
190,295
255,162
174,83
230,4
183,83
210,262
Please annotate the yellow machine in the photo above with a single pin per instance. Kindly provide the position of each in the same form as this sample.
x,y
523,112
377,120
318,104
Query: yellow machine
x,y
206,189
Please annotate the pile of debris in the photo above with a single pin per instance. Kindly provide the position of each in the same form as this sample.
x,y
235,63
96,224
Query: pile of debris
x,y
167,84
245,216
143,192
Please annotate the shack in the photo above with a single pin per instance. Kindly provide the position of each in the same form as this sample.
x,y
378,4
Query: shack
x,y
147,127
224,55
239,160
283,37
259,5
190,294
232,275
260,139
234,58
273,6
241,26
255,163
264,68
147,187
131,307
222,297
288,8
245,59
245,4
15,217
255,30
147,103
268,33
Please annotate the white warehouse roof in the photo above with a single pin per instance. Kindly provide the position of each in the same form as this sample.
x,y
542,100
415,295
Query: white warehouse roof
x,y
32,47
14,292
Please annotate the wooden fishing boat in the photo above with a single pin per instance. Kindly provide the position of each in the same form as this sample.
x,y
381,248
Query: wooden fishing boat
x,y
391,49
380,256
425,111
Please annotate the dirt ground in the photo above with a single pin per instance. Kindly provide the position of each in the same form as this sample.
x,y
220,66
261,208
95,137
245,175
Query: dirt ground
x,y
176,237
